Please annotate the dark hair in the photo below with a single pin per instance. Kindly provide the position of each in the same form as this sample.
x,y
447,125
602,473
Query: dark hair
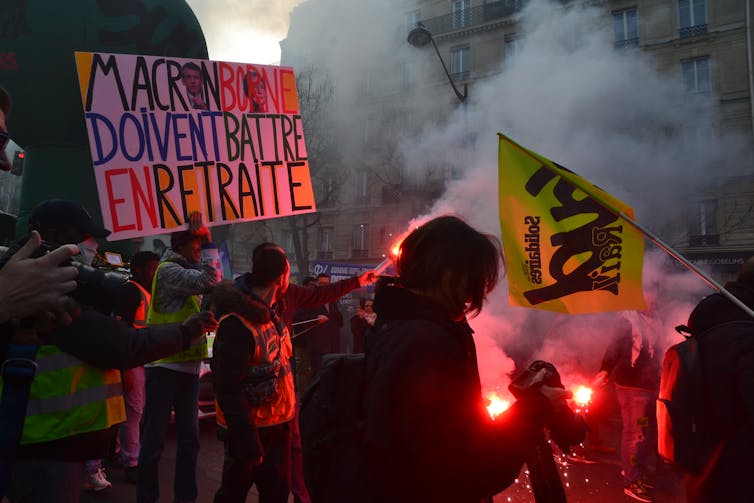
x,y
180,238
142,258
267,266
449,259
4,101
190,66
263,246
309,281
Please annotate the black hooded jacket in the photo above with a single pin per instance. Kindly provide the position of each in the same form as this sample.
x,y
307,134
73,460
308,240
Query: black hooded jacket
x,y
429,436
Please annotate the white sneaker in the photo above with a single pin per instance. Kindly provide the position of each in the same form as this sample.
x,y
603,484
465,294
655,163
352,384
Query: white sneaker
x,y
96,481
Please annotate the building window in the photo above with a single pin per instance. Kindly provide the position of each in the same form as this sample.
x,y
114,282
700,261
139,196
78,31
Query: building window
x,y
696,76
324,245
459,62
362,186
625,33
461,13
692,18
360,247
703,223
326,189
412,19
386,237
288,241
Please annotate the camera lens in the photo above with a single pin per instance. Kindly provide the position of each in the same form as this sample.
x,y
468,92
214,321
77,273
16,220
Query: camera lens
x,y
95,286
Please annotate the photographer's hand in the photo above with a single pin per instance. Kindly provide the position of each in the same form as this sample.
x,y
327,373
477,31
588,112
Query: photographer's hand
x,y
37,286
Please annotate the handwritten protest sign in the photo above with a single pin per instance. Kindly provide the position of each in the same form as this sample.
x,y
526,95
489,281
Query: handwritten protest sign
x,y
170,136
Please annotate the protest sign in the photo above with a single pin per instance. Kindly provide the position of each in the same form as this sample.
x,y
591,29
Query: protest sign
x,y
169,136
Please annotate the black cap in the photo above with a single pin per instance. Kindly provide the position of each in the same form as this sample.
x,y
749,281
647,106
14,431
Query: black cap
x,y
62,214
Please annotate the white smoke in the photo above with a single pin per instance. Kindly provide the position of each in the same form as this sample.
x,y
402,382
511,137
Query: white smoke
x,y
608,114
615,119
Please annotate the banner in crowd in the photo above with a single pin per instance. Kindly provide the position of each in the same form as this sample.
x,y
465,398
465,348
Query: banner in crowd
x,y
566,247
170,136
339,271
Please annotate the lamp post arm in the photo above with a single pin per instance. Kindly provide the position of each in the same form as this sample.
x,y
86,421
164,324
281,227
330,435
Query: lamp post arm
x,y
461,97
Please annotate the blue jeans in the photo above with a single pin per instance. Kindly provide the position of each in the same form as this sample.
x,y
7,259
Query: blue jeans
x,y
128,434
639,438
165,390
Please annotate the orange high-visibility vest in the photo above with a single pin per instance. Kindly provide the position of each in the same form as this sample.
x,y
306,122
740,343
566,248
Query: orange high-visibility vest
x,y
267,344
140,317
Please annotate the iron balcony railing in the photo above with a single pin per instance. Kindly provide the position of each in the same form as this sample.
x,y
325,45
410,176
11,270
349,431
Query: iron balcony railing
x,y
464,18
627,42
704,240
692,31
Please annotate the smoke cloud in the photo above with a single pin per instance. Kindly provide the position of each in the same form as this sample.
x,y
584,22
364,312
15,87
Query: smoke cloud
x,y
614,118
609,114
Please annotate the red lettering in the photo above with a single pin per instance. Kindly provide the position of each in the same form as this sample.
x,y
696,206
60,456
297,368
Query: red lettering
x,y
227,76
272,90
242,75
288,91
145,197
113,202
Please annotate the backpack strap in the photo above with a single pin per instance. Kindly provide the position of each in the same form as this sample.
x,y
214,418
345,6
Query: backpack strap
x,y
18,372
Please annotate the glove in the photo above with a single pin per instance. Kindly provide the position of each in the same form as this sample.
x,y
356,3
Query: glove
x,y
543,380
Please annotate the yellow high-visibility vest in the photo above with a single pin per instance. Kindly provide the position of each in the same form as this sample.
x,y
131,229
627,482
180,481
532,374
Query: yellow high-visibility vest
x,y
198,350
68,397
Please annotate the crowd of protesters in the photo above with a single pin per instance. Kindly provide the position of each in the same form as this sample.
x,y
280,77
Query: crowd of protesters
x,y
418,341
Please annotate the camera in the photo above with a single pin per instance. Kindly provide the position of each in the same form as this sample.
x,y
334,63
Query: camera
x,y
94,287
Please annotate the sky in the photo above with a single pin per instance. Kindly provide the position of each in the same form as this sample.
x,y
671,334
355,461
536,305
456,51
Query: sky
x,y
244,31
568,95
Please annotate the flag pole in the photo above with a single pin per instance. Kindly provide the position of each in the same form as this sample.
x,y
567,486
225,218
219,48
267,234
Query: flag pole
x,y
652,237
670,251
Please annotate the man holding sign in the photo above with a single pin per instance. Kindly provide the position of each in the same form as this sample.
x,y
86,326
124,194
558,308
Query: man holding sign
x,y
189,268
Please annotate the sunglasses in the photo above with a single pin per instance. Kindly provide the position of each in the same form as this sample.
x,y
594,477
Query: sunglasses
x,y
4,139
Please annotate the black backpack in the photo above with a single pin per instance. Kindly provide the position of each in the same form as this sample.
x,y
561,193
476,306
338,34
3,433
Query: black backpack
x,y
332,420
680,407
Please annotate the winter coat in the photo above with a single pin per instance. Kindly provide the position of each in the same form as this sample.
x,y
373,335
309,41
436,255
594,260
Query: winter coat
x,y
428,434
235,353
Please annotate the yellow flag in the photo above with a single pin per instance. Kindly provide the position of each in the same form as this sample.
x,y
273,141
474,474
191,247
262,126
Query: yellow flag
x,y
567,248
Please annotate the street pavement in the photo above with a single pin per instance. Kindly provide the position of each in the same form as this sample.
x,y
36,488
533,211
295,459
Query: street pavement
x,y
594,483
209,470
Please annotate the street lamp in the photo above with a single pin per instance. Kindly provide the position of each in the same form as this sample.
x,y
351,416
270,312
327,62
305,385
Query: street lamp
x,y
419,37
